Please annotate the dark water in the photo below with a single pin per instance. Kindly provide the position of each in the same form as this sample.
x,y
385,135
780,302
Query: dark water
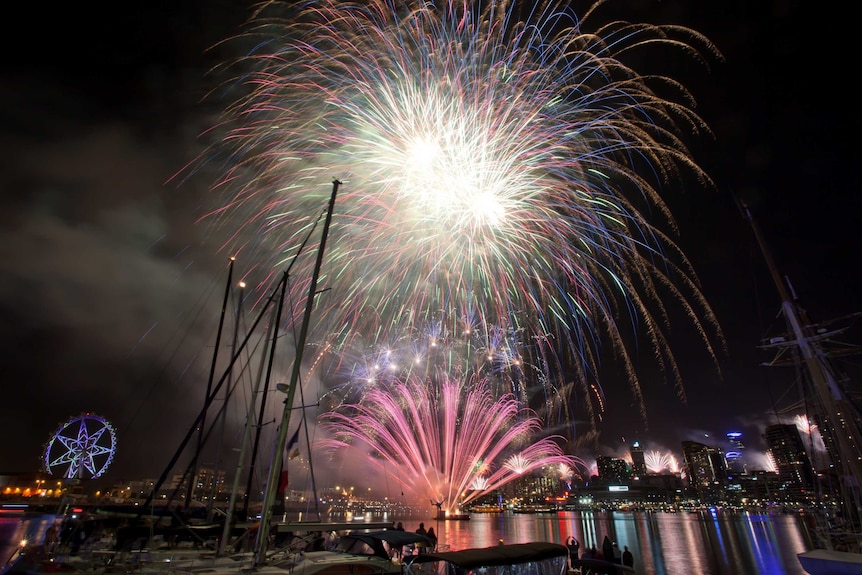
x,y
662,543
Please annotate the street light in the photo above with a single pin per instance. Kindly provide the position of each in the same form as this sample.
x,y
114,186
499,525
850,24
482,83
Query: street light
x,y
439,506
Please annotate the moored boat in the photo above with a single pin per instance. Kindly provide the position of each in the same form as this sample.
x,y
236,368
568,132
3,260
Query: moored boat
x,y
830,562
453,516
355,553
835,532
486,509
307,553
538,558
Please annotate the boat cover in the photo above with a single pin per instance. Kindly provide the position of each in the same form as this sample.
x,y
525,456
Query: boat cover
x,y
513,554
394,537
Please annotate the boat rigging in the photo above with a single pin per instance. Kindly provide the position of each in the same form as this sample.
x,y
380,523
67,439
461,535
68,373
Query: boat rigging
x,y
278,453
836,414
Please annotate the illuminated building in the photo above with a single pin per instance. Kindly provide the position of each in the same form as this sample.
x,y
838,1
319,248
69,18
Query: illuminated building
x,y
612,469
639,468
794,467
706,470
735,455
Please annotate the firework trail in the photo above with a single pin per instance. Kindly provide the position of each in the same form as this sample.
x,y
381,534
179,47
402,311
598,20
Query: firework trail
x,y
450,442
499,164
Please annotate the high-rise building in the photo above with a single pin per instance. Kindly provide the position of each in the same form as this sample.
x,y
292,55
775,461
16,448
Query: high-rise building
x,y
735,455
612,469
639,468
788,451
705,468
734,438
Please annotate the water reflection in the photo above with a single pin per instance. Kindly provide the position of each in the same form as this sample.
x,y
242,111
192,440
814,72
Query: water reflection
x,y
15,529
662,543
717,543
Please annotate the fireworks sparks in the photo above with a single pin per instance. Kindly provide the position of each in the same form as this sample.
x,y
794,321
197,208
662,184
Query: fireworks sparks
x,y
803,424
494,171
448,441
659,462
461,351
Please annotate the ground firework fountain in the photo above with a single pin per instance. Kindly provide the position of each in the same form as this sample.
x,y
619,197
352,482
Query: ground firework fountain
x,y
446,440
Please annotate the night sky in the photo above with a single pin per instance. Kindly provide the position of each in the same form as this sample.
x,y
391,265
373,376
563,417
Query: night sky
x,y
104,261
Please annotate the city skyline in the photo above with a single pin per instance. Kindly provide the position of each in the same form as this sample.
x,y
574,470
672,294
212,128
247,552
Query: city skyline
x,y
669,457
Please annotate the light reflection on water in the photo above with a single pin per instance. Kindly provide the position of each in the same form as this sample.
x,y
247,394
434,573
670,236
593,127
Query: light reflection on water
x,y
662,543
15,529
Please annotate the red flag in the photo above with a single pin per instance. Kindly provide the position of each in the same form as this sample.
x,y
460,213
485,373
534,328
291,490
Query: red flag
x,y
282,484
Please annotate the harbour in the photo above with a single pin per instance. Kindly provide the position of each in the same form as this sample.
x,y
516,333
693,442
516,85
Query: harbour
x,y
472,335
703,543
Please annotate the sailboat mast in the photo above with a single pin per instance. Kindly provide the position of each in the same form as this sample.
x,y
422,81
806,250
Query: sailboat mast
x,y
193,478
230,511
278,454
835,406
216,388
276,322
223,411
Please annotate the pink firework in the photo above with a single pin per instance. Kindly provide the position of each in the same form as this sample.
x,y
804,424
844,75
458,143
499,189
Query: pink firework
x,y
447,441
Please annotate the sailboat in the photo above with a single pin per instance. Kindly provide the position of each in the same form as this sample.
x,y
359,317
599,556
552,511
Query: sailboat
x,y
367,552
836,533
276,465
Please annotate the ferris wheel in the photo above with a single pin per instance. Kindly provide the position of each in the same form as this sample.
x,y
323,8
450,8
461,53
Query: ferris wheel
x,y
82,448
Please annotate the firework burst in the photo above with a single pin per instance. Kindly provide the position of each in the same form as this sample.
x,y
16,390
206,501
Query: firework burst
x,y
491,353
803,424
448,441
495,169
660,462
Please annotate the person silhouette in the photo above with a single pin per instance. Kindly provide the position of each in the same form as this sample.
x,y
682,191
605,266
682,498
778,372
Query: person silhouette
x,y
607,549
432,538
420,547
574,548
628,558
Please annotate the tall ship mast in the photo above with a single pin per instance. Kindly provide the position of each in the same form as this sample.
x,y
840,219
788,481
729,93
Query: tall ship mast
x,y
834,411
